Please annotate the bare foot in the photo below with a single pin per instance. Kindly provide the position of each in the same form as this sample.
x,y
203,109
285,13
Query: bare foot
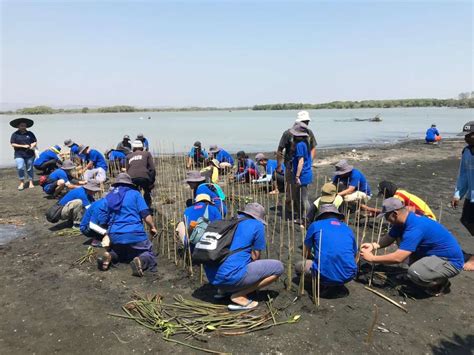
x,y
30,185
274,192
243,301
469,264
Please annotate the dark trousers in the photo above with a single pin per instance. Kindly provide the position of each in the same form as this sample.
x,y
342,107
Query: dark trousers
x,y
124,253
146,185
47,167
467,217
280,180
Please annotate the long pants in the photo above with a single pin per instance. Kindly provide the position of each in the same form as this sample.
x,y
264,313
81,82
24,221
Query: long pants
x,y
431,271
302,203
21,164
467,217
125,253
72,211
97,174
47,167
280,181
290,185
144,184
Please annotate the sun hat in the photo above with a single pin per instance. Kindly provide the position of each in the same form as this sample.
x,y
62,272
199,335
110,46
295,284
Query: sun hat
x,y
387,188
215,162
329,208
255,210
16,122
137,144
299,130
259,157
82,149
241,154
140,135
126,137
68,142
302,116
92,185
203,198
214,148
433,125
328,193
343,167
389,205
123,179
197,144
467,128
68,165
194,176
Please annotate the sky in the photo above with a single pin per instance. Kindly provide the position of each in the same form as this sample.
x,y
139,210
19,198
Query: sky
x,y
232,53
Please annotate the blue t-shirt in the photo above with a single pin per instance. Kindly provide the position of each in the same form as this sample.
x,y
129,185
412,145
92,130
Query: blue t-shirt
x,y
224,157
77,194
74,149
58,174
126,225
249,235
272,165
209,190
96,214
425,237
193,152
338,250
146,144
97,159
194,212
117,155
243,168
302,151
355,179
45,156
431,134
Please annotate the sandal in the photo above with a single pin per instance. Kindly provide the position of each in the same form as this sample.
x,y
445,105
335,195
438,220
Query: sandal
x,y
246,307
136,266
21,187
103,261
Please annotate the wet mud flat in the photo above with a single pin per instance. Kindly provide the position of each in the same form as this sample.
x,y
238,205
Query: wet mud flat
x,y
52,305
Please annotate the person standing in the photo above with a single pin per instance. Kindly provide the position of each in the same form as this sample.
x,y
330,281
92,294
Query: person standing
x,y
24,144
285,154
141,168
465,186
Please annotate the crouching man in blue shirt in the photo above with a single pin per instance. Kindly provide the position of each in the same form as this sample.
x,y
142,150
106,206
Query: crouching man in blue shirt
x,y
433,253
129,243
242,272
336,260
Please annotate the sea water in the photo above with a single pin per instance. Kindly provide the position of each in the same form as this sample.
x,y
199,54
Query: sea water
x,y
246,130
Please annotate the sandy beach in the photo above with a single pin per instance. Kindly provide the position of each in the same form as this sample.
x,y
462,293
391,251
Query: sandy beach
x,y
51,305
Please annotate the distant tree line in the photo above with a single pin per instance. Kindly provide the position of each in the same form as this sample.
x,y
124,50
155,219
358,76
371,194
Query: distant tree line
x,y
464,100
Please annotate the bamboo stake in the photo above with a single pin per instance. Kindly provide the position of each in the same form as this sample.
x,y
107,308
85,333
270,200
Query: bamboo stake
x,y
380,294
319,263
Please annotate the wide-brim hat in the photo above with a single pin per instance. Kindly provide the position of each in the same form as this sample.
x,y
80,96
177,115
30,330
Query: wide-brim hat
x,y
303,116
214,149
329,208
194,176
256,211
68,165
215,162
260,156
82,149
137,144
126,137
68,142
123,179
203,198
343,167
92,185
16,122
328,193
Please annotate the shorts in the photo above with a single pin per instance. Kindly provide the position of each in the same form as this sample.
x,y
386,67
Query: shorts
x,y
256,271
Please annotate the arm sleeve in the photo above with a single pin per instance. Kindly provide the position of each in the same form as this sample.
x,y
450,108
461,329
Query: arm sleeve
x,y
411,239
355,181
462,180
13,139
283,141
300,150
313,143
142,206
259,241
33,137
191,153
151,165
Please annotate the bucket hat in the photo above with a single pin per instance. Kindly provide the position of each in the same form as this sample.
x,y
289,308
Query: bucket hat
x,y
137,144
82,149
203,198
68,165
329,208
194,176
123,179
343,167
256,211
68,142
302,116
92,185
328,193
214,148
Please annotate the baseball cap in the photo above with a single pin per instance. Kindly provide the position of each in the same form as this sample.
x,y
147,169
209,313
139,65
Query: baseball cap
x,y
389,205
467,128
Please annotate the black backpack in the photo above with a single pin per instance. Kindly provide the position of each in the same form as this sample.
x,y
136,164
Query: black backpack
x,y
214,245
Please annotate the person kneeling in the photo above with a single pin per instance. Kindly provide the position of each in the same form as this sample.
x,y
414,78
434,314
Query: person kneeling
x,y
433,253
334,250
242,273
129,243
93,223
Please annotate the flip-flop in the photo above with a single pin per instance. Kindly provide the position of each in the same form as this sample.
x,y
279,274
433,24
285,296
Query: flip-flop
x,y
136,266
103,262
238,307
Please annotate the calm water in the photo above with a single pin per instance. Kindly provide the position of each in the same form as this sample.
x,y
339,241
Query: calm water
x,y
238,130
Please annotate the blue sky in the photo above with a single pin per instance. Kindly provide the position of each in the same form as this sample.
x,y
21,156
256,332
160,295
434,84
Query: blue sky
x,y
226,53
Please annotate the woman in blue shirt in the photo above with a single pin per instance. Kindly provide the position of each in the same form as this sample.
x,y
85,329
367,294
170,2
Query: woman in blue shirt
x,y
24,144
